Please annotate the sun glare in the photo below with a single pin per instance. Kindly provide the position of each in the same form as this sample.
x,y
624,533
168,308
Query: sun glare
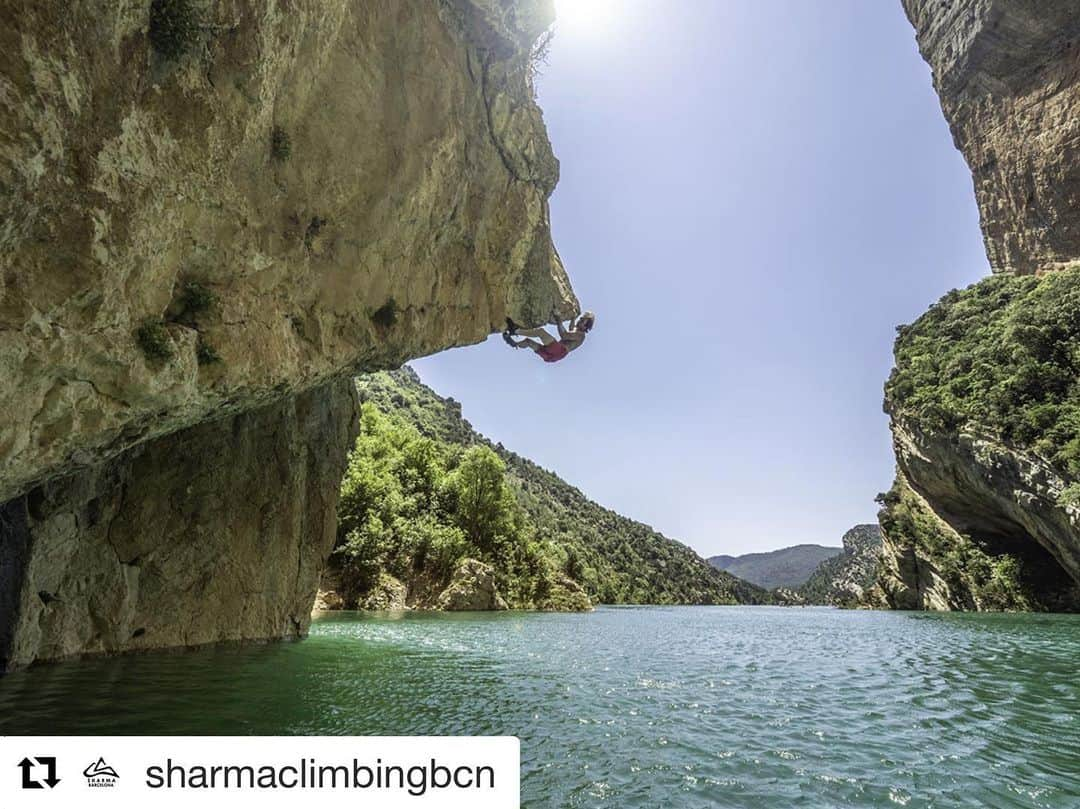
x,y
585,15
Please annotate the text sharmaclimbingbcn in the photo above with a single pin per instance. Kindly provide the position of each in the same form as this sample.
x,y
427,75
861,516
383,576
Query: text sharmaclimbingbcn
x,y
416,779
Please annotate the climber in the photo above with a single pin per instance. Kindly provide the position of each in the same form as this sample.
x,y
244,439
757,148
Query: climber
x,y
548,348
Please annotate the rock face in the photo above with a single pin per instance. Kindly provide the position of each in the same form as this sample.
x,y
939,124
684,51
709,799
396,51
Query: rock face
x,y
1008,73
329,595
387,594
160,548
984,409
566,595
845,580
981,515
961,504
472,587
214,209
912,556
409,216
980,485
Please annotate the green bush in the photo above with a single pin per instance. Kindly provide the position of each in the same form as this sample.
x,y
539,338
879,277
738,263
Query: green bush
x,y
386,315
485,507
1002,355
196,298
314,228
410,504
153,339
280,144
174,27
206,354
1070,496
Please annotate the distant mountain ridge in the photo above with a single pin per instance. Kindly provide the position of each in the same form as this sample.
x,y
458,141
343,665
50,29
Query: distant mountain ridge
x,y
789,567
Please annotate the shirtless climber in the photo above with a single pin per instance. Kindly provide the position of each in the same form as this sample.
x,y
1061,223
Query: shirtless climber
x,y
547,347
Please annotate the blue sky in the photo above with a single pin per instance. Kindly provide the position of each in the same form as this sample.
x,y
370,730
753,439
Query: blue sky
x,y
753,195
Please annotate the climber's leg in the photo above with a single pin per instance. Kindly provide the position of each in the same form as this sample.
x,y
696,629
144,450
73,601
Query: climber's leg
x,y
538,334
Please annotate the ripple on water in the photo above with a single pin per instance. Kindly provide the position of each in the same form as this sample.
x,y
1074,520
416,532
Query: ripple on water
x,y
642,707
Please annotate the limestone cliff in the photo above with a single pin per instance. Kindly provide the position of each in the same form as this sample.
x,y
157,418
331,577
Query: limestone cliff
x,y
975,523
984,401
218,532
1008,74
210,212
985,406
847,579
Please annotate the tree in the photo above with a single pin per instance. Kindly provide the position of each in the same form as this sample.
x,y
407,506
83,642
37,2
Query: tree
x,y
485,504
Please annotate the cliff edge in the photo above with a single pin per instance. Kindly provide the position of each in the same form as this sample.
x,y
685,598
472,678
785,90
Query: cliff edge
x,y
1008,75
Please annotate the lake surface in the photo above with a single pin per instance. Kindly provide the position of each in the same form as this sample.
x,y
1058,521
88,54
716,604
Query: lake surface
x,y
641,707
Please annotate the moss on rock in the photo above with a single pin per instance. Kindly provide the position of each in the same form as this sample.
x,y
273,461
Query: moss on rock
x,y
154,341
174,27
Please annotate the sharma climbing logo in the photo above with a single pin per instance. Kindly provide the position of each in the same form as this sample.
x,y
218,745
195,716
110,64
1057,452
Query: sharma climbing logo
x,y
100,774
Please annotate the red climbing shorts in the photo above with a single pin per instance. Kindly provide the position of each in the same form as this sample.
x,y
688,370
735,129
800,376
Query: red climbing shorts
x,y
553,352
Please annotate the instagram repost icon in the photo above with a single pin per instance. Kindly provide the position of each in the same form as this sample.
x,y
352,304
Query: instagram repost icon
x,y
30,768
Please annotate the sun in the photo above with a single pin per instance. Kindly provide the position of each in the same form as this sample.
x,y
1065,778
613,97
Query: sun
x,y
585,15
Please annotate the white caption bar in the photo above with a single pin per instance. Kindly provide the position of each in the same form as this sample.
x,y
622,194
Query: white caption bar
x,y
376,772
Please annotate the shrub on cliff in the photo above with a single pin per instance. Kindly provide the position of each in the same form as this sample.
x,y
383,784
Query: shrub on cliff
x,y
174,27
196,299
386,315
1003,354
280,144
206,354
153,339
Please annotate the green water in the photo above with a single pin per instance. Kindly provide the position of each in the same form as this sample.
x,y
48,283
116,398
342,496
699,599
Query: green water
x,y
642,707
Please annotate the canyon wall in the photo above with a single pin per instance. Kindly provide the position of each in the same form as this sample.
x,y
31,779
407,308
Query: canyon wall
x,y
1008,75
847,579
983,401
212,211
218,532
973,523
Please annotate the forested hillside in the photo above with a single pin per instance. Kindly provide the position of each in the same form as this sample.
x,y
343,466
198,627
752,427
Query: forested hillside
x,y
424,491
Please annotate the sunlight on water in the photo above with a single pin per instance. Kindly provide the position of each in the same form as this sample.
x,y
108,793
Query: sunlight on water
x,y
642,707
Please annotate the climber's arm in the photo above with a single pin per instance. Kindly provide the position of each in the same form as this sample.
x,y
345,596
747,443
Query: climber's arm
x,y
558,324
